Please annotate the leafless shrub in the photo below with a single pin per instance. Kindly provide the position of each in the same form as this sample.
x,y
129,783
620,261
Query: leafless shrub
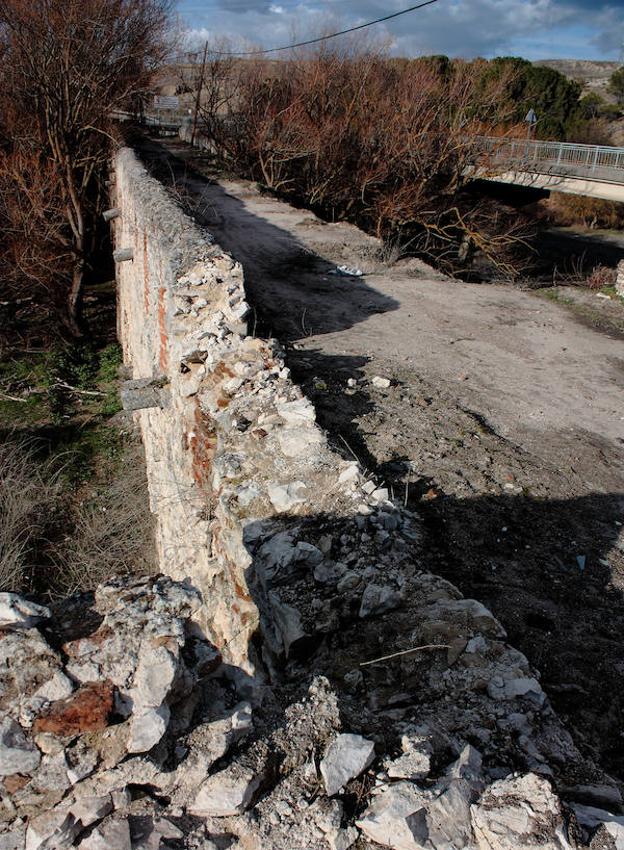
x,y
29,494
601,276
112,530
357,136
591,213
109,531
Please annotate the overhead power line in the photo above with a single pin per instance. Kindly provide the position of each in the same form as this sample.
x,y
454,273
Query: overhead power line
x,y
323,37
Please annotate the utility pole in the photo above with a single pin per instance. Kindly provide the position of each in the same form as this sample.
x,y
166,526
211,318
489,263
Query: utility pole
x,y
199,91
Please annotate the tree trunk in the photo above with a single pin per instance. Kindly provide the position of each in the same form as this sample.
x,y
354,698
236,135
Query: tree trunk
x,y
74,300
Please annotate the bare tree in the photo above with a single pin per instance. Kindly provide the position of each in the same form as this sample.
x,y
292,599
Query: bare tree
x,y
356,135
66,66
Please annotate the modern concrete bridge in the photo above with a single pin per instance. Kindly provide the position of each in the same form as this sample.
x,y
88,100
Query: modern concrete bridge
x,y
593,170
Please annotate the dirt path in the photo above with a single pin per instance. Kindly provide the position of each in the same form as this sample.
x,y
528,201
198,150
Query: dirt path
x,y
503,425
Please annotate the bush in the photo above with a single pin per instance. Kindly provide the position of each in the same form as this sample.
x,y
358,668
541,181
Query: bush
x,y
112,529
55,539
29,498
384,143
600,277
616,85
567,210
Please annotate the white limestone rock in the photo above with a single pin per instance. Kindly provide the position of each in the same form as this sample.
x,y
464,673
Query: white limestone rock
x,y
15,839
342,839
51,831
58,687
228,792
297,412
58,829
448,619
147,728
18,613
90,809
511,687
415,763
396,818
284,497
295,442
17,753
112,833
381,383
519,813
346,757
153,681
211,741
405,817
591,818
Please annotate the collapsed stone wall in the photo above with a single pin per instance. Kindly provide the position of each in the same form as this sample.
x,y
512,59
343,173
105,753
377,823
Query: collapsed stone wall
x,y
297,678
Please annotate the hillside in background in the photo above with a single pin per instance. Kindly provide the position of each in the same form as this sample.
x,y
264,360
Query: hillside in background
x,y
593,76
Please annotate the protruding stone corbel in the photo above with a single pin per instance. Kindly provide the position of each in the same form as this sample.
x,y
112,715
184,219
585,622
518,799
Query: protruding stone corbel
x,y
122,255
112,213
143,393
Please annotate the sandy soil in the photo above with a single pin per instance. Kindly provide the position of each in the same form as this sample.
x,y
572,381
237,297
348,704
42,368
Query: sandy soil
x,y
503,425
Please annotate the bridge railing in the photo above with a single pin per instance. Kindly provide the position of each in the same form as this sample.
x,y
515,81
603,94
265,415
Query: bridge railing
x,y
565,159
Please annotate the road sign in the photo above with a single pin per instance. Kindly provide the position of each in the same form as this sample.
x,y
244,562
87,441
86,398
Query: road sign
x,y
162,102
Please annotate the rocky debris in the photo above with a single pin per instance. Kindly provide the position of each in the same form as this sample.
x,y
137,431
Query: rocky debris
x,y
295,442
381,383
600,823
18,613
406,817
284,497
67,725
347,756
415,762
228,792
214,738
519,813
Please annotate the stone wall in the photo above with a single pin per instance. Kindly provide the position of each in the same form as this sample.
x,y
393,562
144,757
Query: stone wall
x,y
297,678
314,592
234,442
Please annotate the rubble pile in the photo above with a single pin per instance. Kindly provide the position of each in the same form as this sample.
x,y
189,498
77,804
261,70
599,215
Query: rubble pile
x,y
296,678
122,726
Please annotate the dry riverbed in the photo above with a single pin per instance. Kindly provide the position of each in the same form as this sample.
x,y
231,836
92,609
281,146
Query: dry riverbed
x,y
502,423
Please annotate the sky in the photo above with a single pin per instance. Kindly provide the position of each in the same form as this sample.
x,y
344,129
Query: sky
x,y
535,29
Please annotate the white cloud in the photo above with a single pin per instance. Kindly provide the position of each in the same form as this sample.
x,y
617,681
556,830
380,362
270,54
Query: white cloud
x,y
581,28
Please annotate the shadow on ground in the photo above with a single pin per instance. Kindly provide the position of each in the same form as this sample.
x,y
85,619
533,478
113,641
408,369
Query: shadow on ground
x,y
307,295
